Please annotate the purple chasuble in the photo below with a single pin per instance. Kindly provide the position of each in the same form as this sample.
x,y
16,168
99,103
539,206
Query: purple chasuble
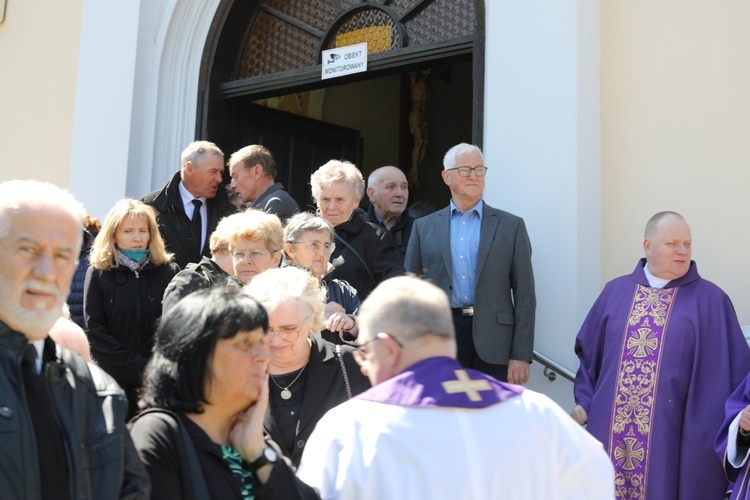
x,y
655,392
734,405
441,382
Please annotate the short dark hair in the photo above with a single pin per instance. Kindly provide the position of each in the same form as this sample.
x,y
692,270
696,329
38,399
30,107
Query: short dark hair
x,y
185,341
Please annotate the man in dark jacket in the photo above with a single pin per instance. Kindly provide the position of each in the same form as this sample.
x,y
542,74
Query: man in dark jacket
x,y
91,228
253,172
388,191
198,184
62,421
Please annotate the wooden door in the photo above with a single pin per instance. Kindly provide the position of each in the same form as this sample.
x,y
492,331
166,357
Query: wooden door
x,y
299,145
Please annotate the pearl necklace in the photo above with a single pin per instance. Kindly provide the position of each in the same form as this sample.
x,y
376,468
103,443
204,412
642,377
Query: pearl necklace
x,y
285,392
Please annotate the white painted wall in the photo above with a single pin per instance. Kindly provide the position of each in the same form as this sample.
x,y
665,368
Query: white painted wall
x,y
542,144
137,95
104,101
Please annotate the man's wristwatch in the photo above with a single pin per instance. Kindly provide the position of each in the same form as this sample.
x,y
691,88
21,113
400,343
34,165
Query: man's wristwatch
x,y
269,456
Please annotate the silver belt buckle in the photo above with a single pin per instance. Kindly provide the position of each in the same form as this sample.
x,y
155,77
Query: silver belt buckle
x,y
467,311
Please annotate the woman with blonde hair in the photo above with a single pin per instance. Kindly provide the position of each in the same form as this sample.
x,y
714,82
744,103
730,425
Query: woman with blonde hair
x,y
255,244
130,269
307,375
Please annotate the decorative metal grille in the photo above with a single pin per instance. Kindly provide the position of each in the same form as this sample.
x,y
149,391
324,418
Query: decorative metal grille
x,y
370,25
287,34
441,20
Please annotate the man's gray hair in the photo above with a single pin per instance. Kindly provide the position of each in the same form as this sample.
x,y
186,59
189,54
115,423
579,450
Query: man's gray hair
x,y
337,171
195,152
450,158
18,193
407,307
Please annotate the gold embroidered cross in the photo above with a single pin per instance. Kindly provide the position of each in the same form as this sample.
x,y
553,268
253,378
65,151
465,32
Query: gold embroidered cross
x,y
643,344
631,455
467,385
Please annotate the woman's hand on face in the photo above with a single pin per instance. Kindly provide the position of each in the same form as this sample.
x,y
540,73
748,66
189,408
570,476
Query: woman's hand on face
x,y
247,432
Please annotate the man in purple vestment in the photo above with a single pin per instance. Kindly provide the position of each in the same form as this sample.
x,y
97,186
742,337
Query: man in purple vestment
x,y
660,351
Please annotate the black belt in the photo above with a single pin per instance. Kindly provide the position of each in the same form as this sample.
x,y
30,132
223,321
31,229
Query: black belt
x,y
464,311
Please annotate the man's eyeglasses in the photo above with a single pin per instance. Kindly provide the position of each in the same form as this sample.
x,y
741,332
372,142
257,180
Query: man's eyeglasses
x,y
360,350
317,246
466,171
288,334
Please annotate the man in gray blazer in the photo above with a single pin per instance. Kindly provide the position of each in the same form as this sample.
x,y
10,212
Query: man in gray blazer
x,y
481,257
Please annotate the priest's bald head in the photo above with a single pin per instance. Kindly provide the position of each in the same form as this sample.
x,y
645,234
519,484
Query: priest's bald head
x,y
403,321
668,245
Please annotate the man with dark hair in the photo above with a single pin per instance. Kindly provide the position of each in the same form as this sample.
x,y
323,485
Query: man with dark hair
x,y
191,204
253,172
62,420
660,351
430,428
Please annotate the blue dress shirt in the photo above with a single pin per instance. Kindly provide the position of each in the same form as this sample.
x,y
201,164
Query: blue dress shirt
x,y
464,235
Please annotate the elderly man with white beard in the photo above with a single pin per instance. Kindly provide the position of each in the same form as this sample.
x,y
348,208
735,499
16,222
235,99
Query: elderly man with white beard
x,y
58,416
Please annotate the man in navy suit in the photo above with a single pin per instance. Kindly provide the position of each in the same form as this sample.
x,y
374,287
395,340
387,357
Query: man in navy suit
x,y
481,257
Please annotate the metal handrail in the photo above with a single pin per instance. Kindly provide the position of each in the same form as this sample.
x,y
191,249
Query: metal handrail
x,y
552,368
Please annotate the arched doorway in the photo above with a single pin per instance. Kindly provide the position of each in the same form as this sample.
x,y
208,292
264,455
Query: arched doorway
x,y
422,92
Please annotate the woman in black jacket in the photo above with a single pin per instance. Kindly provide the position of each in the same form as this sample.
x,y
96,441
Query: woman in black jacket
x,y
307,375
124,286
206,389
363,256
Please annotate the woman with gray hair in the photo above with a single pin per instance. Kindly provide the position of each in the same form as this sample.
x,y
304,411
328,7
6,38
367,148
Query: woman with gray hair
x,y
308,243
364,251
307,375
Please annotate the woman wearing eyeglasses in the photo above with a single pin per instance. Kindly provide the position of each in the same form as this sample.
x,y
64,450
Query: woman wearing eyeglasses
x,y
206,392
255,244
364,251
308,243
307,375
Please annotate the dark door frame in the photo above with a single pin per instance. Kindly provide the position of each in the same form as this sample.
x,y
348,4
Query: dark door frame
x,y
224,43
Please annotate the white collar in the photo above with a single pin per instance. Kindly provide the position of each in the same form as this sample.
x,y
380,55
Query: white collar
x,y
653,281
187,196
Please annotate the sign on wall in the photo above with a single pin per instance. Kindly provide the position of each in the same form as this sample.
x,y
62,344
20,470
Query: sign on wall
x,y
344,61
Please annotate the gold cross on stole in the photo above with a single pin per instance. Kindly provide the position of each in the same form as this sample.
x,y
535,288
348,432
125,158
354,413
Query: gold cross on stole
x,y
467,385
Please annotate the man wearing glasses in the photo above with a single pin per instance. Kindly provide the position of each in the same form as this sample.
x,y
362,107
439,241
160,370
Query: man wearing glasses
x,y
485,270
429,428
